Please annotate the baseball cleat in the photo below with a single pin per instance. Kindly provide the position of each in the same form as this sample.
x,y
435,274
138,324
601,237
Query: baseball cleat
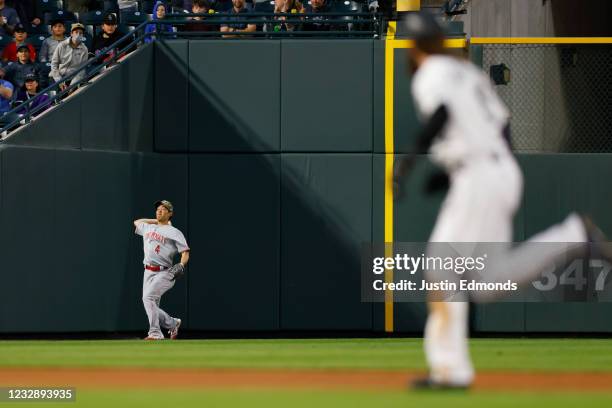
x,y
153,338
598,242
174,332
425,384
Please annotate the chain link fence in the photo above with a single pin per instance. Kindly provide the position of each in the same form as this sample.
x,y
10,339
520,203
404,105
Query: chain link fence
x,y
560,96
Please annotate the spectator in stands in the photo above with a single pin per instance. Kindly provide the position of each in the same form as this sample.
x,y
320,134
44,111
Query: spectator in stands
x,y
80,6
238,12
28,12
58,31
70,55
16,72
6,94
108,36
10,51
318,23
159,13
29,92
285,6
8,19
197,23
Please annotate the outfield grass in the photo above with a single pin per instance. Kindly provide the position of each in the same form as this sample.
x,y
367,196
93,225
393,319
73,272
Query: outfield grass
x,y
385,354
302,399
550,355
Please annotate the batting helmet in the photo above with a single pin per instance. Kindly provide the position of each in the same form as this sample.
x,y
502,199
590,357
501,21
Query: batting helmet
x,y
420,26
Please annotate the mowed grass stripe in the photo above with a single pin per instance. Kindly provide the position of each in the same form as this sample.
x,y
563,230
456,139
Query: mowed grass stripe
x,y
300,399
375,354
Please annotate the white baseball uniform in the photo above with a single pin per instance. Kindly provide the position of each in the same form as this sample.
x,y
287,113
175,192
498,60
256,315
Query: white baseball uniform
x,y
161,244
485,191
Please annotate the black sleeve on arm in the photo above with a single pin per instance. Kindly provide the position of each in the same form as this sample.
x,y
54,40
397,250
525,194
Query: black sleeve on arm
x,y
507,135
432,128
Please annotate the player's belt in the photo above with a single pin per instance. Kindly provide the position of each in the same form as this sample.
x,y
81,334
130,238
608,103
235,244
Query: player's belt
x,y
155,268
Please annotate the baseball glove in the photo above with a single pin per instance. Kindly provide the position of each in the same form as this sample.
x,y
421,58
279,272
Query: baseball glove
x,y
177,271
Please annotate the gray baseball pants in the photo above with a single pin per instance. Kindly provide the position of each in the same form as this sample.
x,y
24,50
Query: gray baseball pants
x,y
154,285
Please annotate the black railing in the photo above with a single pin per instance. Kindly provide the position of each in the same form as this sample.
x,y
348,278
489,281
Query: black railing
x,y
12,119
356,24
373,23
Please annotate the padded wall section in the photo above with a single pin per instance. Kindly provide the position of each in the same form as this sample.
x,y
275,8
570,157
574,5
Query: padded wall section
x,y
413,220
75,278
27,229
156,177
234,212
326,214
327,95
51,129
378,226
76,255
555,186
234,96
117,109
378,95
171,96
406,124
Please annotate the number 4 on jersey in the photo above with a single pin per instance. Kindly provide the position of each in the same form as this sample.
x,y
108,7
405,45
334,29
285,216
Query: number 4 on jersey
x,y
157,249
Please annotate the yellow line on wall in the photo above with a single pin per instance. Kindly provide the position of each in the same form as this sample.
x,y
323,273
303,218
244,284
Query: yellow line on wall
x,y
389,152
449,43
408,5
390,45
541,40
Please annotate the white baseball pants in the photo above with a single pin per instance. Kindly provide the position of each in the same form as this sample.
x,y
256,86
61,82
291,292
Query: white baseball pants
x,y
480,207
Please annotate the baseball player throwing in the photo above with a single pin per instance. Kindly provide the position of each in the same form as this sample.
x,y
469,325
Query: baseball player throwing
x,y
466,133
161,243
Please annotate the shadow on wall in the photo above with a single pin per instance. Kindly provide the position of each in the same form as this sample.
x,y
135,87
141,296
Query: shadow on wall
x,y
586,83
293,222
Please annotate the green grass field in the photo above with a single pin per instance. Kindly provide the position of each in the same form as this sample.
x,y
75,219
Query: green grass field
x,y
511,355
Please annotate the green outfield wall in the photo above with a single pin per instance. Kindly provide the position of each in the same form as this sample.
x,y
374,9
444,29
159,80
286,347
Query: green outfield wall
x,y
273,153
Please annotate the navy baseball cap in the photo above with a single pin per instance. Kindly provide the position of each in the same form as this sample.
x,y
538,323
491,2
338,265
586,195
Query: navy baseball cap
x,y
31,77
19,28
23,47
110,19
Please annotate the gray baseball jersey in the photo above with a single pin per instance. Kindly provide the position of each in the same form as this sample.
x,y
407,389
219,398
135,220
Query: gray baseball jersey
x,y
161,243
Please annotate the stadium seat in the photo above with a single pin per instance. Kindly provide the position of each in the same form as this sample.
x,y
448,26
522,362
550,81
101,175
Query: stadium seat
x,y
4,40
91,30
47,6
222,6
36,40
346,6
88,40
133,18
266,6
63,15
111,6
146,6
7,118
39,29
93,18
123,28
43,69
